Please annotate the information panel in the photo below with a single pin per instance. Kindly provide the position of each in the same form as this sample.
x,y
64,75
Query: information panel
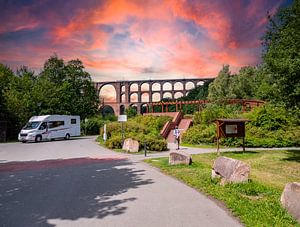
x,y
122,118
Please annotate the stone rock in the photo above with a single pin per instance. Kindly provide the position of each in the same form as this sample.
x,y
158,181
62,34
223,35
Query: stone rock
x,y
130,145
290,199
179,157
231,170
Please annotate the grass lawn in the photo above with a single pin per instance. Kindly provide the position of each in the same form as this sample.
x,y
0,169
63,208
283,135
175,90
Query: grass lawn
x,y
202,145
256,203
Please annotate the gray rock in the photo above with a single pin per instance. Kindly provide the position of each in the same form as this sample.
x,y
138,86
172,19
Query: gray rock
x,y
179,157
130,145
231,170
290,199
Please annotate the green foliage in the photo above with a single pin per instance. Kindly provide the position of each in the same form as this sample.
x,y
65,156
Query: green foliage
x,y
270,117
198,93
219,88
269,126
282,54
114,142
199,134
131,112
243,85
214,111
93,125
60,88
145,129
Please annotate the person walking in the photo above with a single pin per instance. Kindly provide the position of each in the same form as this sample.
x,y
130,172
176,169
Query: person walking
x,y
176,134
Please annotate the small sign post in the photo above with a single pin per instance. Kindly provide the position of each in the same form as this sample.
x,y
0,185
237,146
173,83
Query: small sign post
x,y
85,121
122,118
104,133
230,128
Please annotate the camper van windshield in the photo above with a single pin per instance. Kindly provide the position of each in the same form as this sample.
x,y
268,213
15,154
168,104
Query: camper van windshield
x,y
31,125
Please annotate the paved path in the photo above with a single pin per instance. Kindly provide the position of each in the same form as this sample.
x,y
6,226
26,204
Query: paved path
x,y
191,150
78,183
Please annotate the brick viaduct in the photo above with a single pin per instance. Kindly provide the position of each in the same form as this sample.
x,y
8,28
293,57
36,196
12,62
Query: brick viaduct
x,y
144,91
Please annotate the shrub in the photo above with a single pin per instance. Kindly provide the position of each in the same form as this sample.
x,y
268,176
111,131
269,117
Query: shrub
x,y
155,143
92,126
270,126
114,142
270,117
140,128
214,111
198,134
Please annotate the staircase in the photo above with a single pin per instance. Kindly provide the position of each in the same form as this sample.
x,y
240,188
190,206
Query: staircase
x,y
178,120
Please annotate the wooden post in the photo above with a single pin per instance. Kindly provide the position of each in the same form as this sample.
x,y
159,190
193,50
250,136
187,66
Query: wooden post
x,y
218,146
243,144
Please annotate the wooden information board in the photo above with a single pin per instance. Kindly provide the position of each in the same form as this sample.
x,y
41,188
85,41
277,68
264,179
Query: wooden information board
x,y
230,128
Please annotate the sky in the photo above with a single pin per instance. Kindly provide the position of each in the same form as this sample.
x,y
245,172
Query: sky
x,y
136,39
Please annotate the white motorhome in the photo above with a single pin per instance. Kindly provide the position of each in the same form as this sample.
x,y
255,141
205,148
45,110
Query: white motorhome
x,y
50,127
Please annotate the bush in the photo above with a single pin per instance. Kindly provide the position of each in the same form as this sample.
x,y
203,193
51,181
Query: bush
x,y
270,126
92,126
114,142
198,134
154,143
270,117
145,129
214,111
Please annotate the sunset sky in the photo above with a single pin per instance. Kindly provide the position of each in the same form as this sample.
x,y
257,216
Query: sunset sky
x,y
135,39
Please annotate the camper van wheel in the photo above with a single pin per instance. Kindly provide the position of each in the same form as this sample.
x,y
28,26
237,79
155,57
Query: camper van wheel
x,y
38,138
67,137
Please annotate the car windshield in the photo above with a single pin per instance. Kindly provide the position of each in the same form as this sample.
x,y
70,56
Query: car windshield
x,y
32,125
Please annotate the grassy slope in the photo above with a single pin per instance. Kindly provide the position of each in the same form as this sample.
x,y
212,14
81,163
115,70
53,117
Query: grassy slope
x,y
257,203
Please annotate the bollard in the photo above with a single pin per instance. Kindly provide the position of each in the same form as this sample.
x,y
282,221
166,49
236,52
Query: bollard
x,y
145,150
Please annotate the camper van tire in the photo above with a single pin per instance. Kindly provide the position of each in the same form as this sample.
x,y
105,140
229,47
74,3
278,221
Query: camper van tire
x,y
38,138
67,137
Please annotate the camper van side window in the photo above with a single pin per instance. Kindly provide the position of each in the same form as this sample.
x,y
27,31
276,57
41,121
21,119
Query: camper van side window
x,y
54,124
73,121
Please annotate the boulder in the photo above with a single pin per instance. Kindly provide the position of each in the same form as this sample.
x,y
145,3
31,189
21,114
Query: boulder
x,y
290,199
130,145
179,157
230,170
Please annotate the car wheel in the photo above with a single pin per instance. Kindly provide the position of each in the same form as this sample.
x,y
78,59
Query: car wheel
x,y
67,137
38,138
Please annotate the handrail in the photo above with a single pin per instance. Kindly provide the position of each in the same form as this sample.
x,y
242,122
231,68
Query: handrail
x,y
170,125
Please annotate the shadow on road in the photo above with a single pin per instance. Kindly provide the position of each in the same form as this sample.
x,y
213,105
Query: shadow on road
x,y
33,192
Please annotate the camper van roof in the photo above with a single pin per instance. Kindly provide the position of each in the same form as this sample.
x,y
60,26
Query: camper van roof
x,y
46,117
39,118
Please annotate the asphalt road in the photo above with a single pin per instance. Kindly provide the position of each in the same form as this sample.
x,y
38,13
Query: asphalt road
x,y
79,183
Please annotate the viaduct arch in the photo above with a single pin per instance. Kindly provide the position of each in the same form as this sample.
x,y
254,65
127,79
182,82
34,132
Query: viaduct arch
x,y
141,89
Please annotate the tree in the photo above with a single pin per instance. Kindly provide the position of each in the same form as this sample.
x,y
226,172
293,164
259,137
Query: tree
x,y
198,93
220,87
131,112
72,86
19,100
282,55
243,85
59,89
6,75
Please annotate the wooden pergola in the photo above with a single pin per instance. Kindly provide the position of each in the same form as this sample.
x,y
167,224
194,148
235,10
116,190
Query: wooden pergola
x,y
246,104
